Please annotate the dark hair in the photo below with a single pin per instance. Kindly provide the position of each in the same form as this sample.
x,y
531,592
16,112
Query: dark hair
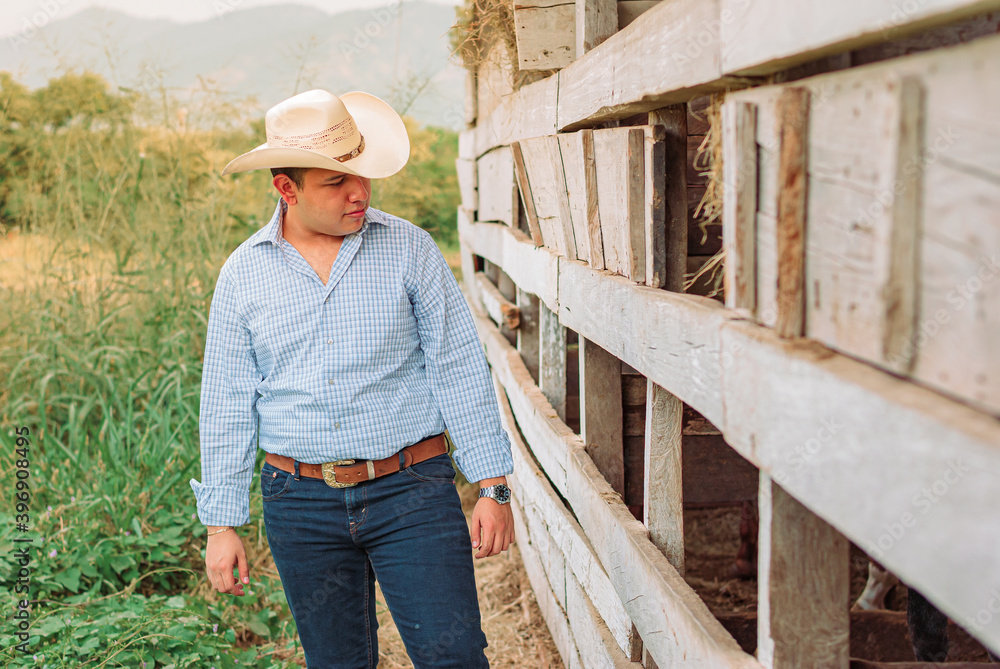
x,y
296,174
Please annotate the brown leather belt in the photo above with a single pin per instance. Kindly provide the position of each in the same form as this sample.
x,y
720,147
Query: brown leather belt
x,y
346,473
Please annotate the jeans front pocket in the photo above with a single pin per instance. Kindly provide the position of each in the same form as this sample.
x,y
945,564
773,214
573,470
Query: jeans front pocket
x,y
274,482
438,469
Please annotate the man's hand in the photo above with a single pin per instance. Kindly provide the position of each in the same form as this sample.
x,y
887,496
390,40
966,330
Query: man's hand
x,y
224,553
492,527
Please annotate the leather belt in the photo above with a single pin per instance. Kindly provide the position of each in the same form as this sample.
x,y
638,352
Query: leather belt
x,y
346,473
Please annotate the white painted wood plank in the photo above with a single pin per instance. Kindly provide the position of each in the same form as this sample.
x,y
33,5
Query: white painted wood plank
x,y
592,637
500,309
762,37
529,112
466,173
662,484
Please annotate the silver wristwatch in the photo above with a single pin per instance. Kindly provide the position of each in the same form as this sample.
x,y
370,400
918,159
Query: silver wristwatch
x,y
498,493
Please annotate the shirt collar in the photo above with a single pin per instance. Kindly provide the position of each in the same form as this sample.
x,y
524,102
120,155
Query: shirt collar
x,y
272,231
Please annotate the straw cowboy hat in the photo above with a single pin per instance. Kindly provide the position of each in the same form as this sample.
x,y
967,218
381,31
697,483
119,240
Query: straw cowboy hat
x,y
355,133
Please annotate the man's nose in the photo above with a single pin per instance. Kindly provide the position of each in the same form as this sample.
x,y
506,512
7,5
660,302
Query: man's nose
x,y
358,190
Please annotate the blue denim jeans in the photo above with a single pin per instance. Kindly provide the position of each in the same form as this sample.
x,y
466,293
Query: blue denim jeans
x,y
406,530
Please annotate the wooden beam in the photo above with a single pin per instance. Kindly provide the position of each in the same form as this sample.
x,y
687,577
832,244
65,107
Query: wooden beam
x,y
532,268
552,360
803,584
465,171
528,112
793,119
596,21
499,308
663,510
655,206
667,56
601,412
756,39
673,120
619,156
739,211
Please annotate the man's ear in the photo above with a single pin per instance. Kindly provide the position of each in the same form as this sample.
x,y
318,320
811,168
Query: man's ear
x,y
286,188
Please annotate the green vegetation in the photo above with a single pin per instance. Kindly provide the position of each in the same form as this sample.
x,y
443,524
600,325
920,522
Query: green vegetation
x,y
114,228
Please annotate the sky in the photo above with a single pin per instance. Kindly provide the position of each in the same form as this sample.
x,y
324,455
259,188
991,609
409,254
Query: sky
x,y
17,15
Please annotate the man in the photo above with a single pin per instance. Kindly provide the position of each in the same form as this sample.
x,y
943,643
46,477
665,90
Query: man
x,y
338,341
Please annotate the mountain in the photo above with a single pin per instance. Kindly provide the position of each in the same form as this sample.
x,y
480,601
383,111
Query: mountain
x,y
267,52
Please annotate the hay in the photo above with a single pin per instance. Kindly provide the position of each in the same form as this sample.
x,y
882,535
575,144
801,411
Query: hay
x,y
481,24
708,162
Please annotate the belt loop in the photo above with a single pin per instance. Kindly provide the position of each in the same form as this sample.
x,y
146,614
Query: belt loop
x,y
296,474
402,459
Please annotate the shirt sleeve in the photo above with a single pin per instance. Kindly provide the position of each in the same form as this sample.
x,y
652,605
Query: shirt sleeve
x,y
228,414
456,368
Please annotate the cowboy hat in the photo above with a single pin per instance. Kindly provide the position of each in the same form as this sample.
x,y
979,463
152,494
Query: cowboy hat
x,y
355,133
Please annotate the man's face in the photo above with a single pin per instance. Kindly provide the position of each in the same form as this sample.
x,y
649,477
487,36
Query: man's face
x,y
329,202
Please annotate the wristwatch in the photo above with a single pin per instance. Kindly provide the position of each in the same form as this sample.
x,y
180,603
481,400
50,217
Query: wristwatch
x,y
498,493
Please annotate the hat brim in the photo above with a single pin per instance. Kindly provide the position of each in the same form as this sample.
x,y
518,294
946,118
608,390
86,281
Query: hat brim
x,y
387,145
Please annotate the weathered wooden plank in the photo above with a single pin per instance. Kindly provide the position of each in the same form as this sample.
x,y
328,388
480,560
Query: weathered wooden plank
x,y
543,163
499,308
758,38
667,337
739,211
529,112
530,486
668,56
552,359
555,617
527,332
467,145
956,339
618,156
532,268
493,85
793,119
673,120
524,188
803,585
466,172
470,98
832,431
580,172
630,10
601,411
498,199
545,31
653,593
593,639
657,234
596,21
663,509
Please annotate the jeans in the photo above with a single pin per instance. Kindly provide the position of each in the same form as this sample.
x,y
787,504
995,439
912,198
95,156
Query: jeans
x,y
405,529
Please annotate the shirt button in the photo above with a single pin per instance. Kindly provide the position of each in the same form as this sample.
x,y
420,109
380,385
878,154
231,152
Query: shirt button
x,y
329,341
330,381
337,425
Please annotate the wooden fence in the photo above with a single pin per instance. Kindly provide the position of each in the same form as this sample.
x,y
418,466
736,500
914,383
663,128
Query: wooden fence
x,y
855,361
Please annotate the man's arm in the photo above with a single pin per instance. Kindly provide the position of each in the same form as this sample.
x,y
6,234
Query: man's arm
x,y
228,426
459,378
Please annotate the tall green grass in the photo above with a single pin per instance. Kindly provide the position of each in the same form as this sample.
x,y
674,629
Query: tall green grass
x,y
101,344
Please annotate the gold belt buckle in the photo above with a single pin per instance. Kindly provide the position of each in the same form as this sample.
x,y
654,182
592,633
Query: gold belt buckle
x,y
331,477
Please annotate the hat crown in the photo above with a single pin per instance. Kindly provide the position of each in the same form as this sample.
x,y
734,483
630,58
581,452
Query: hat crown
x,y
315,120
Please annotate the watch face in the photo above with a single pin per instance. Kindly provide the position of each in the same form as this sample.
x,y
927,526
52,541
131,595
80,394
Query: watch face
x,y
498,492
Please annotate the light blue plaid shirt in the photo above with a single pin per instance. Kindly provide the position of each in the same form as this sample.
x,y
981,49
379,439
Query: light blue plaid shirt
x,y
382,356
